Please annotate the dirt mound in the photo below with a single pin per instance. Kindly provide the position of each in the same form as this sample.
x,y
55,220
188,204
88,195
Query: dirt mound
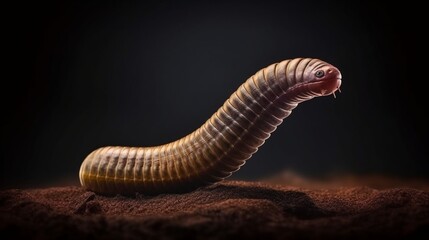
x,y
227,210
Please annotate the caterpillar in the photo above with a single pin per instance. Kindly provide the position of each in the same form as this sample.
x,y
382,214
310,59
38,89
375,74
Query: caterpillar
x,y
222,144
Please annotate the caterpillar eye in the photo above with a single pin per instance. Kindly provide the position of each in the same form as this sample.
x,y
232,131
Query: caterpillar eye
x,y
319,73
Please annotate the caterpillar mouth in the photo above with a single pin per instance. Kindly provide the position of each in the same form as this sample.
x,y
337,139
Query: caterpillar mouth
x,y
316,88
325,87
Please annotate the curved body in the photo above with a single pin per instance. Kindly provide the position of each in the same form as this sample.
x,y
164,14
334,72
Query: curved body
x,y
222,144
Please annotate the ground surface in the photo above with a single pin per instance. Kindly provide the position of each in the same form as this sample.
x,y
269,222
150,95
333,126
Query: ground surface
x,y
228,210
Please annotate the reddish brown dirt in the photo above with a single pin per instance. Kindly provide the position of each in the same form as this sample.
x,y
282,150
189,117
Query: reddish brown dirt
x,y
228,210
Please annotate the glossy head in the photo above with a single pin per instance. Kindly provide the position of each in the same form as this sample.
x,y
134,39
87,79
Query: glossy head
x,y
322,78
308,78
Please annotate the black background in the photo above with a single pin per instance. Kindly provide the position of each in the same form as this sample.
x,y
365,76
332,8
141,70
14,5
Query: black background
x,y
81,75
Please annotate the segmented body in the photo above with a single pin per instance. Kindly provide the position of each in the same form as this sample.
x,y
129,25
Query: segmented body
x,y
216,149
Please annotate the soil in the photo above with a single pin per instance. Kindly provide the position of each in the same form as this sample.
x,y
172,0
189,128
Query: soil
x,y
227,210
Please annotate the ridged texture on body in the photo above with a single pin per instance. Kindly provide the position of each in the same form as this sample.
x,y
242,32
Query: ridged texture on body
x,y
212,152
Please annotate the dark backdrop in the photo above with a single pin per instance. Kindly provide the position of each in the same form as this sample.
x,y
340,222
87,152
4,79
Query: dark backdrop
x,y
79,76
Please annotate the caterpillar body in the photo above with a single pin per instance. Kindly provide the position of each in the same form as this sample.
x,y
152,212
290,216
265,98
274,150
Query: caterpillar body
x,y
222,144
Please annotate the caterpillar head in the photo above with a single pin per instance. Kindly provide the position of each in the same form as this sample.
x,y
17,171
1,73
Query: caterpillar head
x,y
308,78
323,79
